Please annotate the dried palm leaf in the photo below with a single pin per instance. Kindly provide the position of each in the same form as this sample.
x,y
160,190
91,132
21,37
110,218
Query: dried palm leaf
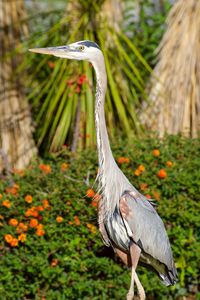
x,y
175,98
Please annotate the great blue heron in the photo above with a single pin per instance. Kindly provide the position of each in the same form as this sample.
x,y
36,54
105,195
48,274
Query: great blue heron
x,y
127,220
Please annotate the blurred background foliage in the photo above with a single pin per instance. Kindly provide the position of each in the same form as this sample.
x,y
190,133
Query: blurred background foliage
x,y
61,92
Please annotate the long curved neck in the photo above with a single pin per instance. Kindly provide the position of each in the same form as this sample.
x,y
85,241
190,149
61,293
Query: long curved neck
x,y
112,181
103,145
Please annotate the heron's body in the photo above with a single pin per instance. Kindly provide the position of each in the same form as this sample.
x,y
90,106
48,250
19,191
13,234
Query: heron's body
x,y
127,220
141,224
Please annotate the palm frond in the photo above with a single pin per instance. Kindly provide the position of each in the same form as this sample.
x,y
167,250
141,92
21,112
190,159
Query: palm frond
x,y
52,101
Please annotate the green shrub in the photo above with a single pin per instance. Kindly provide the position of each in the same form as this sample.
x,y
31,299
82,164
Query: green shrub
x,y
66,259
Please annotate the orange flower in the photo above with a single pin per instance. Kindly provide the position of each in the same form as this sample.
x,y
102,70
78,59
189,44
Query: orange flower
x,y
33,223
8,238
91,227
45,168
28,198
94,203
1,196
162,174
143,186
11,190
28,213
123,159
42,166
120,160
22,237
40,226
22,227
32,212
70,222
148,196
169,163
64,167
40,232
45,203
76,220
156,152
35,213
127,160
14,242
6,203
39,208
54,262
137,172
156,195
141,168
90,193
13,222
59,219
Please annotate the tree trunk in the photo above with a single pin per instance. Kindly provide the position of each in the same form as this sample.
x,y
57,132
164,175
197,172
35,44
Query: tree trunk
x,y
112,11
16,139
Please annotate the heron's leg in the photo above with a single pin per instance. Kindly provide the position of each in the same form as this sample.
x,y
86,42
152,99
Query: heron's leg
x,y
135,255
124,256
130,293
140,288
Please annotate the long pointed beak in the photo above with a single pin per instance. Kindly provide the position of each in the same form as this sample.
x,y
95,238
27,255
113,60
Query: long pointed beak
x,y
60,51
43,50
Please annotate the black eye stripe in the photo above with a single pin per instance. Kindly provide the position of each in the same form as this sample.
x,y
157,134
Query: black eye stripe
x,y
89,44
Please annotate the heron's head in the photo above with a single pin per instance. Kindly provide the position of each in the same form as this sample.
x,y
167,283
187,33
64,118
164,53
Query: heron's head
x,y
83,50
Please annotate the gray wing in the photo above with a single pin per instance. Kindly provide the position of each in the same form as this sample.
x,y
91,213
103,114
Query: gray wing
x,y
146,229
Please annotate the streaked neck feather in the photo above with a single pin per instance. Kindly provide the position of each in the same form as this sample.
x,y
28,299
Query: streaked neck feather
x,y
112,182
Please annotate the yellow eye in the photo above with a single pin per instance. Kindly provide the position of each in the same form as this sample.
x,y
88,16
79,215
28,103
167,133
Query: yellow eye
x,y
81,48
